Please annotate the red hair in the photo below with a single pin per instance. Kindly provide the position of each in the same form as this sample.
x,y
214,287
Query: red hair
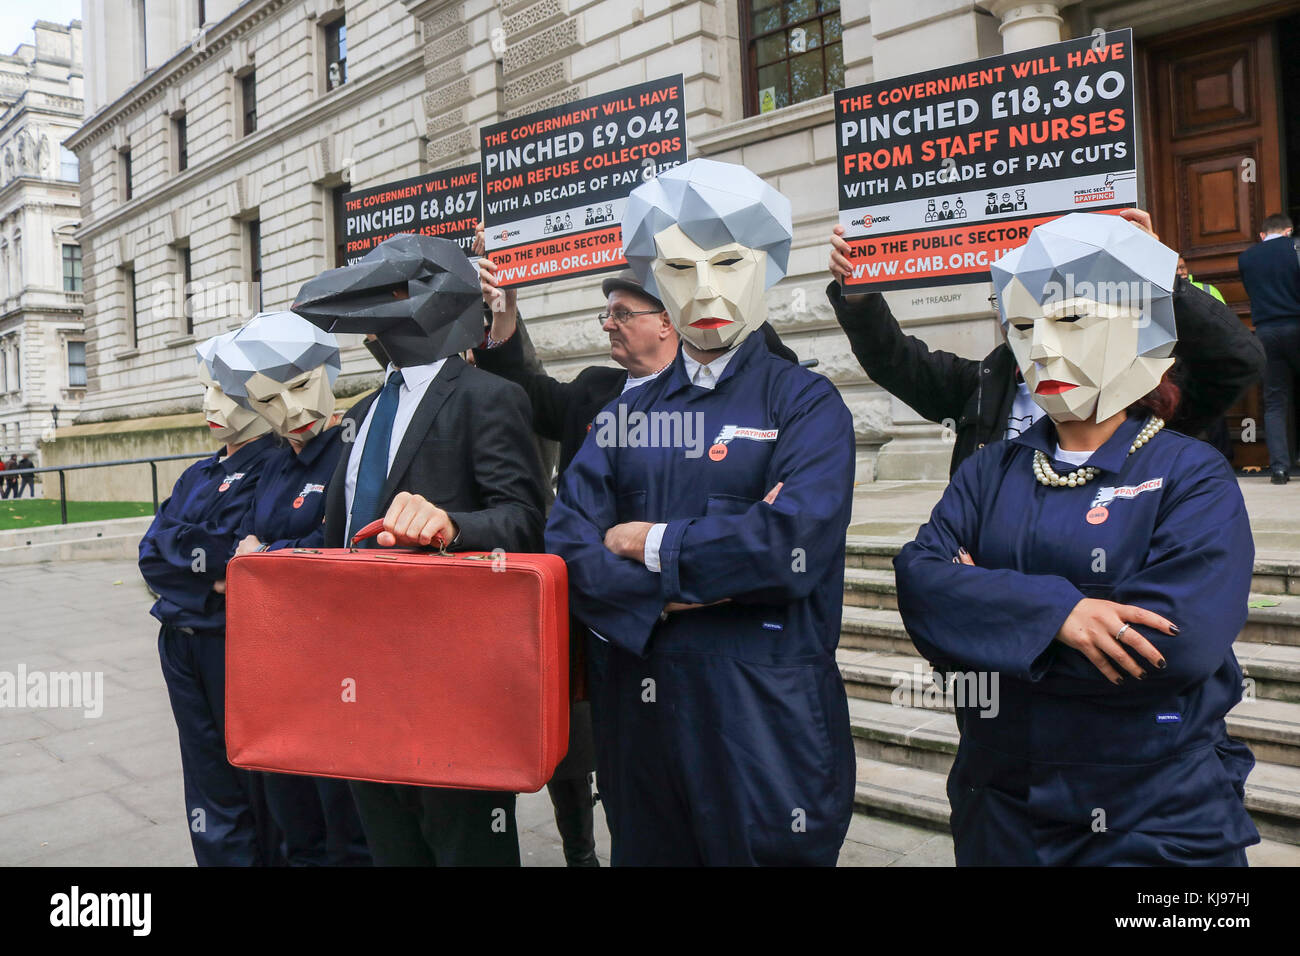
x,y
1162,401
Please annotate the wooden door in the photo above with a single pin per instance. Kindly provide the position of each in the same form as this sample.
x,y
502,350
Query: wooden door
x,y
1214,163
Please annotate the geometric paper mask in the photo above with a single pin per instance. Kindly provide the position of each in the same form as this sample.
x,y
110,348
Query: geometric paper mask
x,y
708,238
1087,308
282,367
228,421
440,315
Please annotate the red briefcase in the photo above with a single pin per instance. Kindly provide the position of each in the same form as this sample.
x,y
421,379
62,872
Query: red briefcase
x,y
407,667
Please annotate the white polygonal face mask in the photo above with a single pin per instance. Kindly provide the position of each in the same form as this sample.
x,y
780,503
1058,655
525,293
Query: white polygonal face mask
x,y
714,296
1080,357
228,422
298,409
1086,305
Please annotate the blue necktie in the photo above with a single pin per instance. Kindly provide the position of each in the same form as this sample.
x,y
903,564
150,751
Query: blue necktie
x,y
373,471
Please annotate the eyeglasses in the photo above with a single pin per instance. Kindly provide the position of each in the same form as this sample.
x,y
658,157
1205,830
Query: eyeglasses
x,y
623,316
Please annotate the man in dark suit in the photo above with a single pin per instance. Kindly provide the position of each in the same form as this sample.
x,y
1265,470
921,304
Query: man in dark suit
x,y
444,454
1270,271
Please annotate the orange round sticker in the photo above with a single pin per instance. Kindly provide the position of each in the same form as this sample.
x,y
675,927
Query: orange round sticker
x,y
718,452
1097,515
297,502
223,486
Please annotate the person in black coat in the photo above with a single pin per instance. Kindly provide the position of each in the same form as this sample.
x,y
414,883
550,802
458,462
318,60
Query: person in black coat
x,y
1270,271
978,400
454,463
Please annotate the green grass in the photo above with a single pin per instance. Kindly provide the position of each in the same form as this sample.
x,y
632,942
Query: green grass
x,y
32,512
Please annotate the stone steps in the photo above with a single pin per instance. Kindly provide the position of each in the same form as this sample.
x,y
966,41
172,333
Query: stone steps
x,y
926,740
1275,572
83,540
1274,667
919,797
1270,727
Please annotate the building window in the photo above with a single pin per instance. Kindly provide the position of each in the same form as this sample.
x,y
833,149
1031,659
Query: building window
x,y
124,164
132,311
68,169
336,53
248,101
255,259
792,52
180,136
13,366
71,268
187,291
76,365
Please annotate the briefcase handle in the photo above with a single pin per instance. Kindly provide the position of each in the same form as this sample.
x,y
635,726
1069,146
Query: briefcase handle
x,y
376,526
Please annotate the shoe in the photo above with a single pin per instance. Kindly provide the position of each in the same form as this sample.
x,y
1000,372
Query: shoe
x,y
1280,476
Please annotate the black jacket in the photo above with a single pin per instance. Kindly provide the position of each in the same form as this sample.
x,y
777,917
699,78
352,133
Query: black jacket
x,y
1218,360
1270,271
562,411
469,450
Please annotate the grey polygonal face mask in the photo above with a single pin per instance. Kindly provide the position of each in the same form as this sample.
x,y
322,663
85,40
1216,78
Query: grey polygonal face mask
x,y
418,294
708,239
1087,308
282,367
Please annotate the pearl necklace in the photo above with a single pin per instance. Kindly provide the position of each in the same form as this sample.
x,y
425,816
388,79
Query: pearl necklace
x,y
1046,475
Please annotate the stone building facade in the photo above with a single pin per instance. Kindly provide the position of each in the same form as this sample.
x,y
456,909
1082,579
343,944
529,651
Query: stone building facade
x,y
423,76
211,161
42,363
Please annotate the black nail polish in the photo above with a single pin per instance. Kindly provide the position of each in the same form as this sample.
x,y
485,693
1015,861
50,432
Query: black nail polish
x,y
1120,679
962,551
1174,628
1161,663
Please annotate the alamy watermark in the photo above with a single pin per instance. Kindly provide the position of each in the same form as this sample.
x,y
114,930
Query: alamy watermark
x,y
949,690
637,429
55,689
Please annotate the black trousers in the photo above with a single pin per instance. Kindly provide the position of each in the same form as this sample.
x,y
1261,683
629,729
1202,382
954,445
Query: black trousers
x,y
1281,341
430,826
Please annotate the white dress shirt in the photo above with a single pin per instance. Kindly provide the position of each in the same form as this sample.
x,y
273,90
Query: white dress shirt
x,y
1024,412
705,376
634,382
415,382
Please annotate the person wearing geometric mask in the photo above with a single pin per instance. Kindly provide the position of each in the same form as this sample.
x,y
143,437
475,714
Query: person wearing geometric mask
x,y
703,525
183,559
442,452
283,368
1093,571
982,400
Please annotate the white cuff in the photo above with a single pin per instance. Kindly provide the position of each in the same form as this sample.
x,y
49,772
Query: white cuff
x,y
654,537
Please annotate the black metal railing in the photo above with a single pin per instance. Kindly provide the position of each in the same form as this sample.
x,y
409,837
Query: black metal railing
x,y
63,487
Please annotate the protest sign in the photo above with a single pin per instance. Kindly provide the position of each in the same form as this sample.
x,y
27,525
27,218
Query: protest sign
x,y
444,204
940,173
555,182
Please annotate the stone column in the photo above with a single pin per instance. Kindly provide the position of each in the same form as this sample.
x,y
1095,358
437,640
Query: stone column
x,y
1027,25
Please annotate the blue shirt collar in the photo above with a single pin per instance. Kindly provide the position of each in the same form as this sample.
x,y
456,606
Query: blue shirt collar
x,y
1110,457
254,450
678,378
317,446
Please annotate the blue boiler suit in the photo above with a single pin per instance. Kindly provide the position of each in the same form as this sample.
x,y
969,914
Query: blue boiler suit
x,y
722,733
316,814
184,551
1073,770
